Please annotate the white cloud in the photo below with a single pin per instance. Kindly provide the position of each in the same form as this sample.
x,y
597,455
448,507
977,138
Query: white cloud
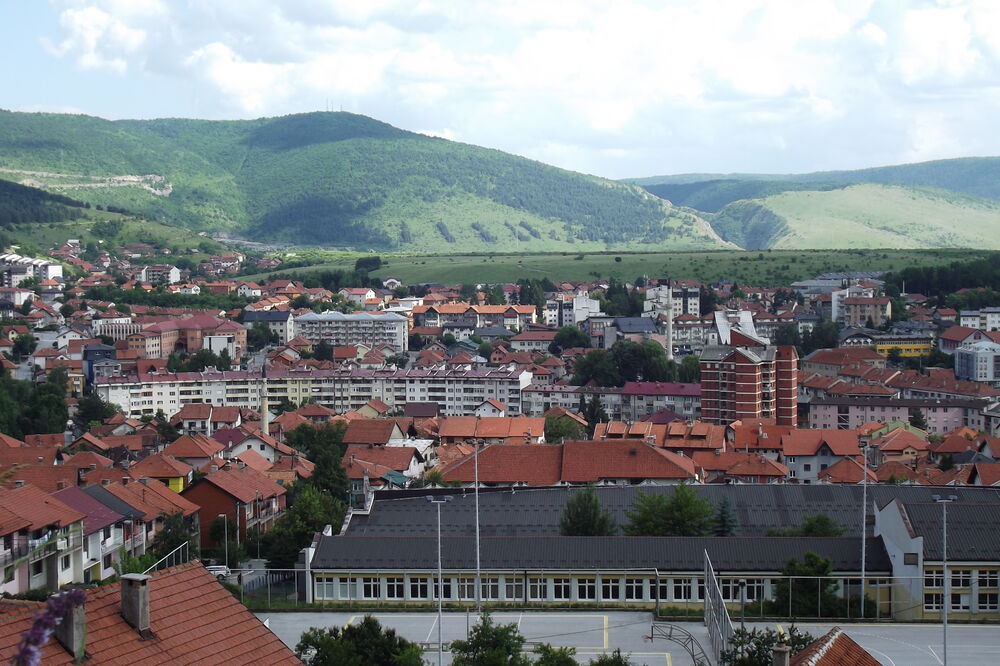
x,y
621,88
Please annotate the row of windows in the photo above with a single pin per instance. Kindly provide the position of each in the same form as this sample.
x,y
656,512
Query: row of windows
x,y
538,588
961,578
986,601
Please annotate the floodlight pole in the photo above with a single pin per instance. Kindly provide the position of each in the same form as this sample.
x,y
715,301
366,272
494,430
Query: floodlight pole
x,y
479,604
440,581
225,519
864,526
946,601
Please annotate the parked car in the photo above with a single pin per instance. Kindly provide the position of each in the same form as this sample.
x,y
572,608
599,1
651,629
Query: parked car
x,y
220,571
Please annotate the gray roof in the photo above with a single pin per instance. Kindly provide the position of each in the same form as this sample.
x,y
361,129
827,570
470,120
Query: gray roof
x,y
536,511
972,527
267,315
667,554
880,401
113,503
635,324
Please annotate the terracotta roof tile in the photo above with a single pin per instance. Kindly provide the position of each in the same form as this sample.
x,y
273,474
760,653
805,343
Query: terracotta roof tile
x,y
833,649
42,510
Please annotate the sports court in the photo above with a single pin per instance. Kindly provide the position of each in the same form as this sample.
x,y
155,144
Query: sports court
x,y
592,633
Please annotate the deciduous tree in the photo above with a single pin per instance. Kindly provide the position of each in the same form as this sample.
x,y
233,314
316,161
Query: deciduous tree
x,y
584,516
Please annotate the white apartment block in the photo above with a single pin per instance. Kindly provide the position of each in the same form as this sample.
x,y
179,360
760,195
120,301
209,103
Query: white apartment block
x,y
43,269
458,391
566,310
540,398
672,299
340,329
979,362
116,328
986,319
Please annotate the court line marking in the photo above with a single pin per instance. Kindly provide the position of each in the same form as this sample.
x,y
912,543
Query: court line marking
x,y
431,630
935,655
888,658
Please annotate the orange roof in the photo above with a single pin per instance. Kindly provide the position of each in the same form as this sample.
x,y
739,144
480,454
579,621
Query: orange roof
x,y
491,427
374,461
42,510
833,649
750,464
808,442
846,470
193,446
46,477
369,431
987,474
591,461
510,463
242,483
194,620
161,466
254,460
899,471
898,440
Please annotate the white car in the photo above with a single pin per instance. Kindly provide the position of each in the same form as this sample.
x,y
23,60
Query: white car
x,y
220,571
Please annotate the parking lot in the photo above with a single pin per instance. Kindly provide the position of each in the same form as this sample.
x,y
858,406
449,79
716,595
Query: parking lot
x,y
593,633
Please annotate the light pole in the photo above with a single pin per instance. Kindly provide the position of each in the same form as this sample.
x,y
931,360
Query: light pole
x,y
946,601
864,525
440,586
225,518
479,605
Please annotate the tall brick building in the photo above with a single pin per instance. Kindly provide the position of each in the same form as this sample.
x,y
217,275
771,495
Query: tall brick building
x,y
749,379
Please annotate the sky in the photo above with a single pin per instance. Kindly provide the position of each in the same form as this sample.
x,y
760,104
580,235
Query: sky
x,y
619,88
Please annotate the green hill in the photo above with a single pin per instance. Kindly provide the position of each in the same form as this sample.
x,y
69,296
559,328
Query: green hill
x,y
337,179
863,216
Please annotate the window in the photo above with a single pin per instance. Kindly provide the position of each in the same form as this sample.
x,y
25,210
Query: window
x,y
961,578
910,559
513,588
107,561
64,562
466,588
988,601
682,589
560,588
394,588
586,588
933,601
807,467
347,587
659,589
536,589
491,587
987,578
446,588
325,587
635,589
960,601
370,588
610,589
933,578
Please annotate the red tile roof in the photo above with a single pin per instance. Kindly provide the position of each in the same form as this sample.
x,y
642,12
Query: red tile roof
x,y
242,483
374,461
846,470
194,620
161,466
40,509
808,442
510,463
833,649
369,431
592,461
898,440
193,446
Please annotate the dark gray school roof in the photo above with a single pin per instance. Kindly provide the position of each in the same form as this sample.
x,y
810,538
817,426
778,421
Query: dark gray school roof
x,y
558,553
113,503
635,324
878,401
972,528
536,511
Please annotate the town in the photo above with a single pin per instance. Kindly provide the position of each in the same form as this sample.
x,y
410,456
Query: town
x,y
291,431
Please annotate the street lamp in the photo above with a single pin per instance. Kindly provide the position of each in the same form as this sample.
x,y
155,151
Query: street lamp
x,y
225,518
440,586
946,601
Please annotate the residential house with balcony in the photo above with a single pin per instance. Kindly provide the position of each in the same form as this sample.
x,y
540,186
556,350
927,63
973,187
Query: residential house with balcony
x,y
103,533
246,497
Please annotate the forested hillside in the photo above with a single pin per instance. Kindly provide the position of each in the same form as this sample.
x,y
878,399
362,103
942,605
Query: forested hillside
x,y
337,179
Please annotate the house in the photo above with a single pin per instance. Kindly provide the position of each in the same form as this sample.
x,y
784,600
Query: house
x,y
739,467
372,431
103,530
806,453
492,430
54,532
846,470
902,445
246,497
170,471
147,619
834,648
380,466
195,450
491,407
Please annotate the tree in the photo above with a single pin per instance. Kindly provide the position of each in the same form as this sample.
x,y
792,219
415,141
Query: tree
x,y
323,351
46,410
225,363
684,513
24,345
562,428
571,336
817,525
917,419
362,644
91,408
894,356
485,349
806,588
615,658
689,370
788,334
584,516
596,365
725,521
260,335
554,656
490,644
176,531
755,647
594,413
311,511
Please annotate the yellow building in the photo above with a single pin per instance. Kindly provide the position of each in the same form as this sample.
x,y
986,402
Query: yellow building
x,y
168,470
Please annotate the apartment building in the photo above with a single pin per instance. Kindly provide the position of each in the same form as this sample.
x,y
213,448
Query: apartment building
x,y
341,330
979,362
477,316
570,310
748,380
942,414
457,391
280,322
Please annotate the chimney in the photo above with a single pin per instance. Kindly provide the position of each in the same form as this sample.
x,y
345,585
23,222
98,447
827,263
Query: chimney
x,y
780,655
72,633
215,468
135,603
41,460
105,482
18,483
60,484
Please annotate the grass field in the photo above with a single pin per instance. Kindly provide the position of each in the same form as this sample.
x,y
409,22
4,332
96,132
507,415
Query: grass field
x,y
758,268
870,216
50,234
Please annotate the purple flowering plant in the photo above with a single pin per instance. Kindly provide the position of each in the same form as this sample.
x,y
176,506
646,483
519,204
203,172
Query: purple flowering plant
x,y
57,608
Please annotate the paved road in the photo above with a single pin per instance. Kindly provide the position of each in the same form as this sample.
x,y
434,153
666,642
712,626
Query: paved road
x,y
593,633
